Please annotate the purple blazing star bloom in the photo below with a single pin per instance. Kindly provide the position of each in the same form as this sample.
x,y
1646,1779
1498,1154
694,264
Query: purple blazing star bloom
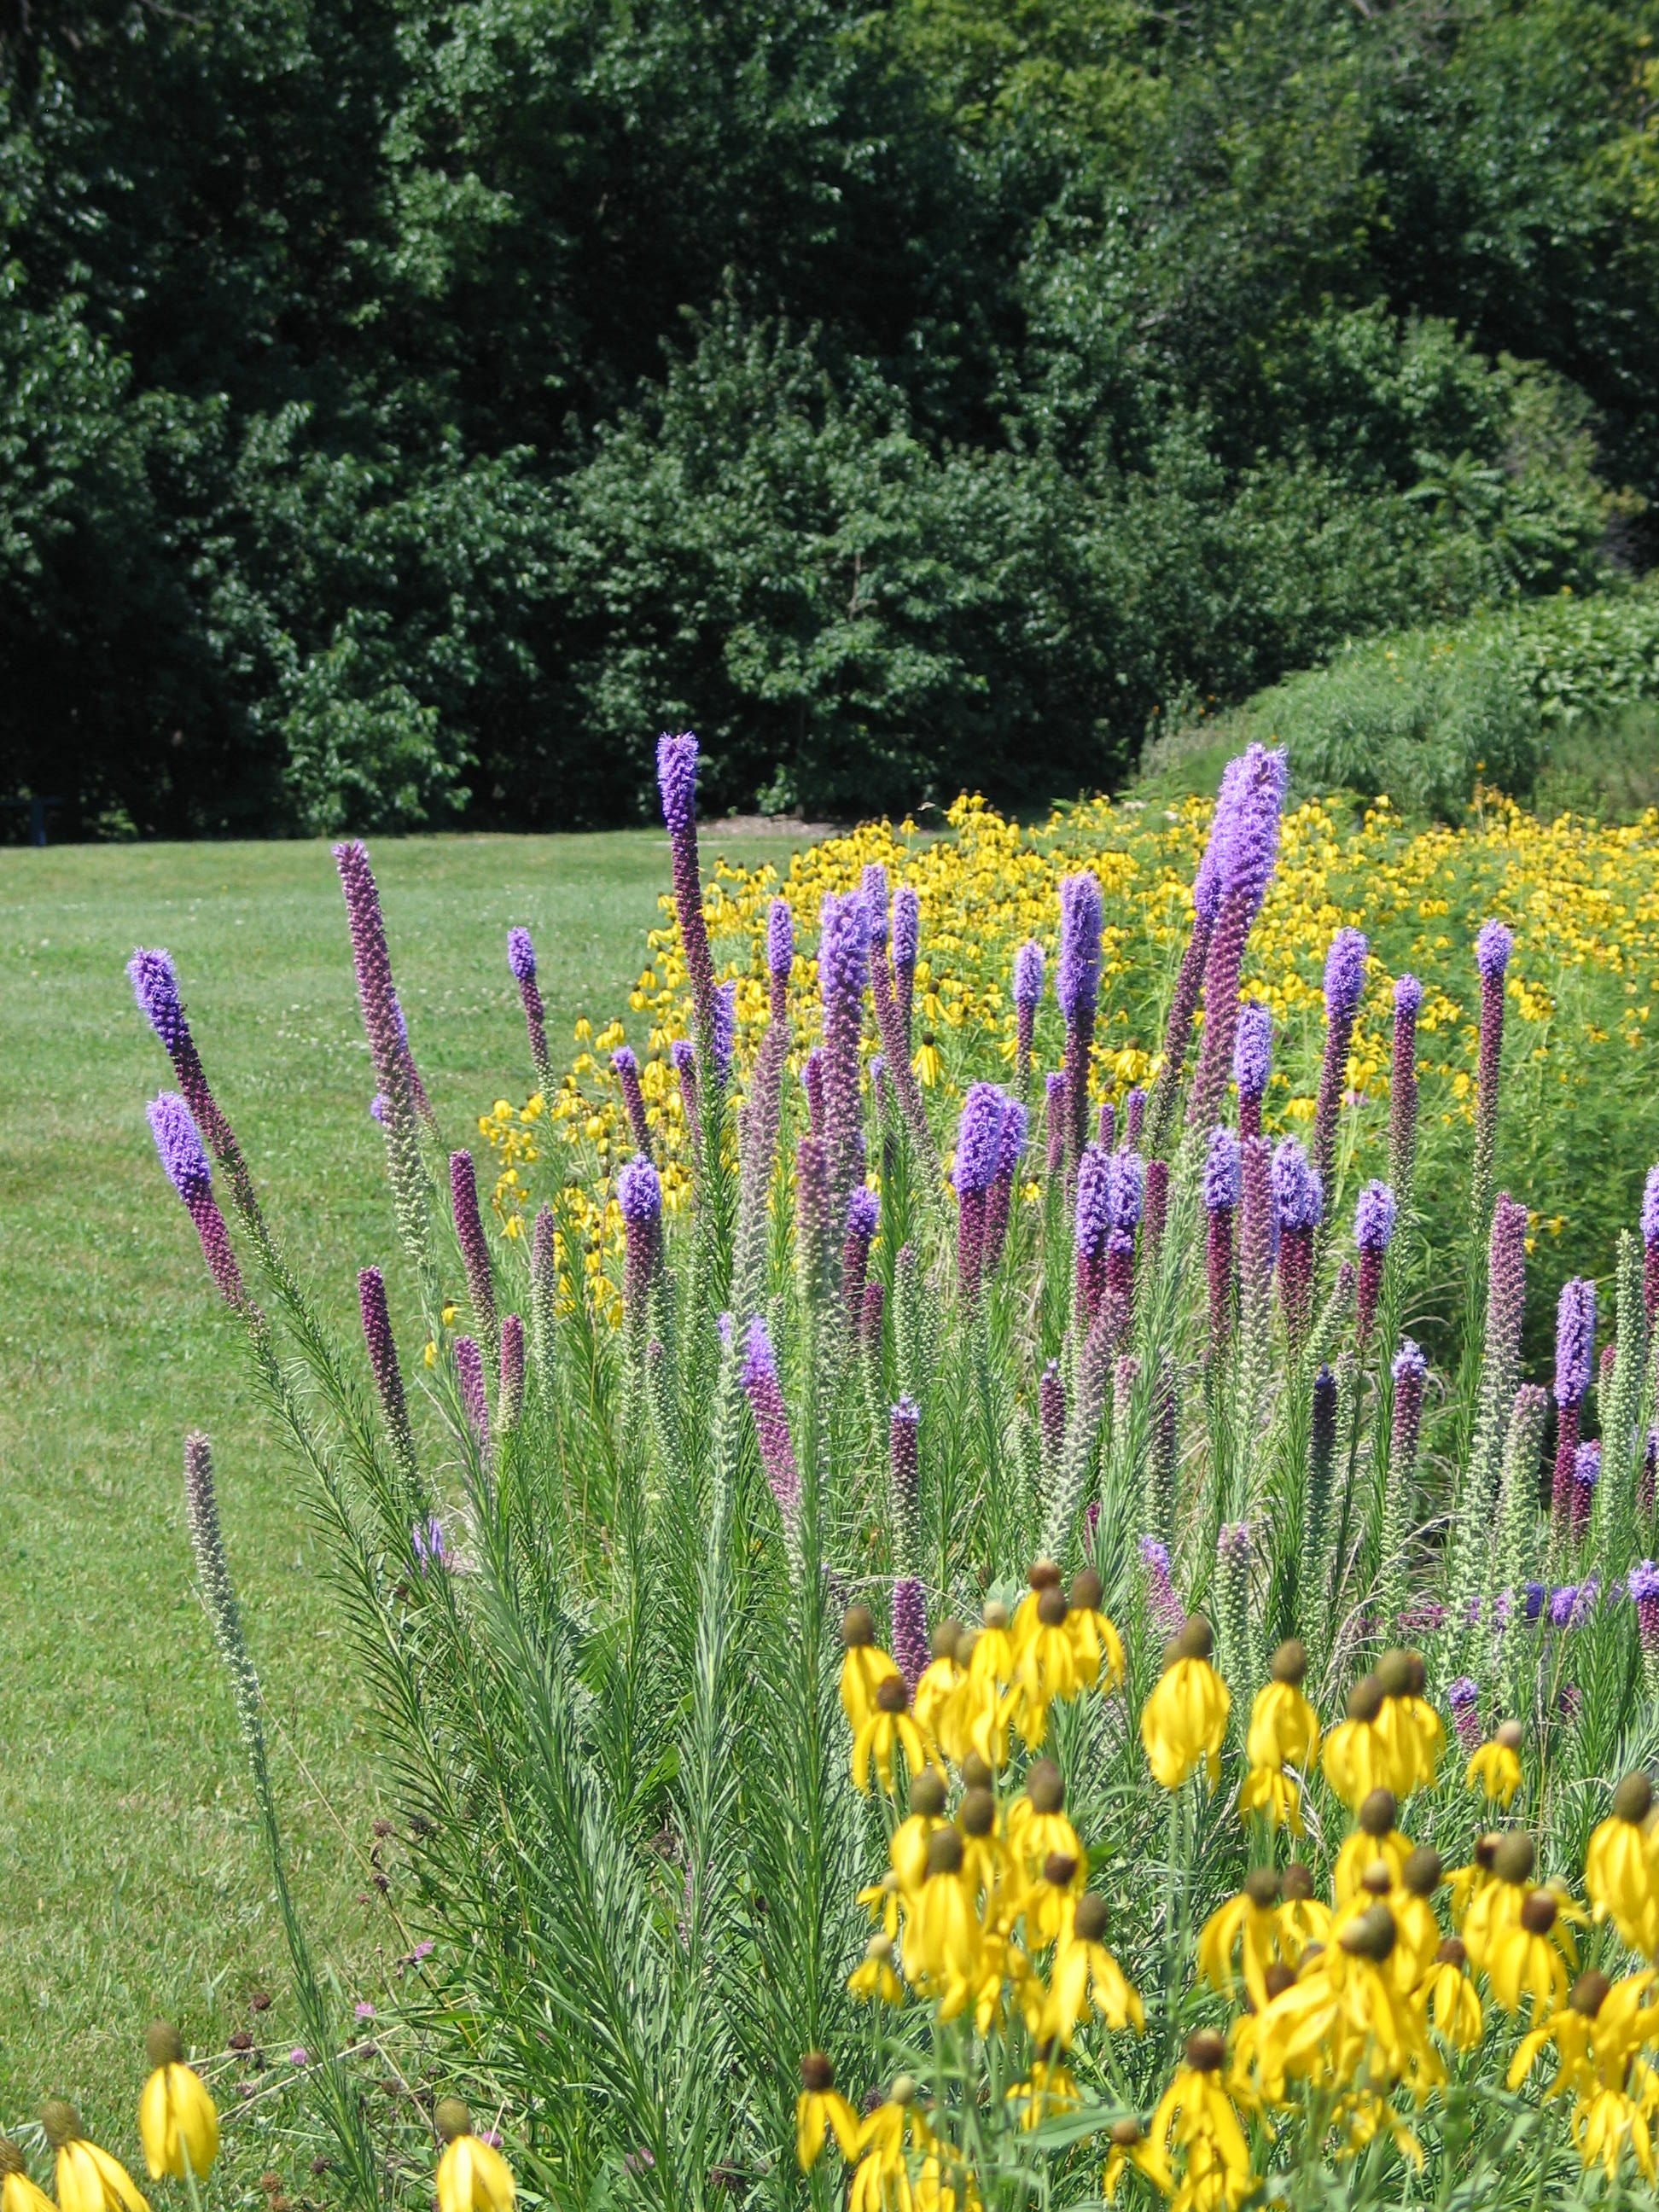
x,y
1298,1201
780,938
677,779
1345,974
155,986
1253,1049
979,1138
180,1146
639,1192
682,1055
521,955
1221,1176
1011,1139
1373,1217
1574,1339
1492,948
1093,1219
1126,1188
723,1018
1563,1600
1082,916
872,889
1253,825
862,1210
1407,996
907,928
1028,973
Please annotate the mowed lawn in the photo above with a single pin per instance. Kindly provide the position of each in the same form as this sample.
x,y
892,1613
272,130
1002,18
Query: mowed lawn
x,y
132,1879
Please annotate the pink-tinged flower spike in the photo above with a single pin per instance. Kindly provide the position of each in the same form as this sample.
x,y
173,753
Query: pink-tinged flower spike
x,y
543,1290
1106,1124
1183,1001
861,1215
384,1025
155,988
1298,1208
1253,1060
1575,1356
907,942
1403,1085
1345,984
904,1477
1491,956
469,1376
1164,1608
626,1069
1256,1227
780,955
1500,1364
1054,1124
1091,1225
1410,1371
1651,1244
639,1197
186,1166
1373,1217
677,779
1125,1198
998,1201
1158,1208
1254,791
1586,1473
979,1143
1051,1414
760,1383
1077,987
1643,1584
521,959
870,1307
1463,1696
812,1220
811,1082
383,1365
1028,991
910,1651
1221,1194
475,1252
1135,1116
682,1058
509,1399
893,1026
843,971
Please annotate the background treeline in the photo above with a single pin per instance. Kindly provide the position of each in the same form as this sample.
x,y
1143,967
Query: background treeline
x,y
409,407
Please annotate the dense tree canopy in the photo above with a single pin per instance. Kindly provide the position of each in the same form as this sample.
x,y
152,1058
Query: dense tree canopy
x,y
412,405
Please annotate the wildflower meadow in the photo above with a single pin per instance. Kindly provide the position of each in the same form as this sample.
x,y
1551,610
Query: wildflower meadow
x,y
1039,1586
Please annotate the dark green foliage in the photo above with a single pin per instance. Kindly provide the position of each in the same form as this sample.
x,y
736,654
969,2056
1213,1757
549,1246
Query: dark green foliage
x,y
408,407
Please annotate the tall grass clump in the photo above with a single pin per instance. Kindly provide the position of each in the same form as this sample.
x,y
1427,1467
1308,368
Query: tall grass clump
x,y
974,1647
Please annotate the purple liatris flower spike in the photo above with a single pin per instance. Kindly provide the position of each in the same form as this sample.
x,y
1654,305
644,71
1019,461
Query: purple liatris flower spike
x,y
861,1215
377,1107
1493,947
1258,1230
872,889
639,1198
626,1069
469,1376
1642,1584
761,1387
383,1361
1586,1473
677,779
1463,1696
521,959
1125,1195
904,1479
1298,1207
843,971
910,1652
1651,1244
1134,1114
906,941
1402,1083
723,1029
1410,1371
811,1219
1077,987
1158,1207
979,1145
1491,956
1221,1170
509,1400
1028,990
1054,1123
1253,1060
1574,1354
187,1167
682,1058
811,1079
1345,982
1253,791
1164,1607
780,955
999,1199
1091,1228
383,1021
1221,1196
1374,1219
1564,1601
155,988
1106,1124
475,1252
1051,1413
871,1308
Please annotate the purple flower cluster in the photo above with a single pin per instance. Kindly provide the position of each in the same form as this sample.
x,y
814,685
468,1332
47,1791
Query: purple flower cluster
x,y
862,1212
1028,990
475,1252
469,1376
676,781
1253,1060
1345,982
383,1359
910,1652
1402,1083
1373,1217
761,1387
906,941
1297,1203
1246,839
780,955
639,1199
843,972
185,1164
626,1069
1642,1584
979,1159
1077,986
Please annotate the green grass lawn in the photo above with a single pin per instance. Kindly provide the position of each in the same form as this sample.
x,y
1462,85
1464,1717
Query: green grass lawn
x,y
132,1878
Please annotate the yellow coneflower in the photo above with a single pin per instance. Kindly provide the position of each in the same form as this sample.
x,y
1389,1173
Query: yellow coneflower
x,y
1522,1961
890,1726
1619,1871
1495,1768
88,2179
1184,1721
872,1980
942,1933
864,1667
1269,1792
1083,1968
940,1679
1131,2146
1048,2087
178,2123
1448,1996
472,2176
1408,1725
1036,1822
1196,2116
1495,1904
882,2181
1096,1643
1284,1727
1303,1919
1358,1758
820,2109
1249,1925
17,2192
909,1849
927,1063
1375,1836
